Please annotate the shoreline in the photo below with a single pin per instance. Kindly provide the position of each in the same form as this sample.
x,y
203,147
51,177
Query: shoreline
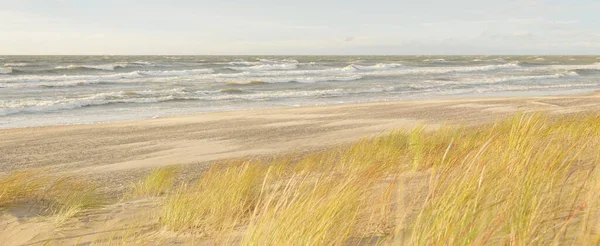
x,y
128,147
441,98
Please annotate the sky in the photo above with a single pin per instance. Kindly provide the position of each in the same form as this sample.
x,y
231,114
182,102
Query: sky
x,y
299,27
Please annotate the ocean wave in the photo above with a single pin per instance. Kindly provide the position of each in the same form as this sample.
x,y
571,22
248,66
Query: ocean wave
x,y
530,77
277,61
348,70
64,78
244,63
233,91
93,79
440,70
36,106
71,83
488,67
6,70
536,87
593,66
145,63
156,96
379,66
508,88
438,60
105,67
267,67
473,82
177,72
16,64
356,71
68,84
148,96
272,80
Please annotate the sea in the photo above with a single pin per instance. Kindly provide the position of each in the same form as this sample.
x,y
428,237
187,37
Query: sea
x,y
64,90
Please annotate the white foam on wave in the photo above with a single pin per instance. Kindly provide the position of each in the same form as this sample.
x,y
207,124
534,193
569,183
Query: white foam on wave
x,y
536,87
74,80
142,63
178,72
244,63
348,70
351,72
267,67
491,80
593,66
438,60
285,94
300,79
9,107
441,70
270,61
5,70
36,106
51,84
148,96
16,64
495,80
105,67
379,66
64,78
488,67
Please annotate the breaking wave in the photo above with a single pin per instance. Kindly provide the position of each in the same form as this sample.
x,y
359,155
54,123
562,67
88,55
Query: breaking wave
x,y
380,66
495,80
177,72
6,70
152,96
105,67
271,80
267,67
16,64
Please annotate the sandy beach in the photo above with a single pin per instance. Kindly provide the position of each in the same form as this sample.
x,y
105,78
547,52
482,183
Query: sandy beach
x,y
117,155
116,151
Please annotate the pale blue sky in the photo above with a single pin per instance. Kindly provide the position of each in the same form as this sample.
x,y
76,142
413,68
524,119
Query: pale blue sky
x,y
299,27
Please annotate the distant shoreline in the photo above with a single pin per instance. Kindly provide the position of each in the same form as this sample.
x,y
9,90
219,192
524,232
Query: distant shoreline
x,y
473,97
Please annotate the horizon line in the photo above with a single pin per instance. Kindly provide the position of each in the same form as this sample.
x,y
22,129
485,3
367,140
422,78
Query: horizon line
x,y
308,55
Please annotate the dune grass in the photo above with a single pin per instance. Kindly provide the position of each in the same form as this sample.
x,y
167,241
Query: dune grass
x,y
62,197
531,179
70,196
158,182
20,185
219,201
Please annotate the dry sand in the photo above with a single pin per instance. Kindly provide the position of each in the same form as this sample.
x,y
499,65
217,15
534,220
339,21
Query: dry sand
x,y
118,153
118,150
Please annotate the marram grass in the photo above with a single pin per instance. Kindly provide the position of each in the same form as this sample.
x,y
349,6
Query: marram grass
x,y
62,197
156,183
531,179
528,180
